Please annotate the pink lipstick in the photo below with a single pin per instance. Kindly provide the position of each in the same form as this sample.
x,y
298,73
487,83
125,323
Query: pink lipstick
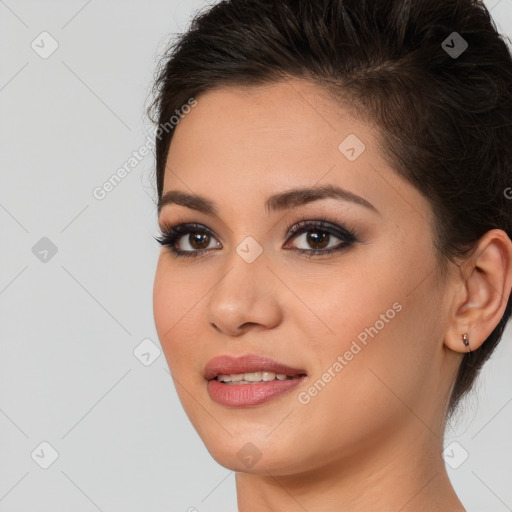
x,y
249,380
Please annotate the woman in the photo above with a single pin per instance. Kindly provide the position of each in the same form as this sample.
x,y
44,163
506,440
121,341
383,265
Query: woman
x,y
336,219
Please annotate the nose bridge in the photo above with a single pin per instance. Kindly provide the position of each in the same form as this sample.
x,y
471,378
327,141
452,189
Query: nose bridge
x,y
242,295
243,271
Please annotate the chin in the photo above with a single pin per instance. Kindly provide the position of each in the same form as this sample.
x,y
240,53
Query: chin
x,y
246,457
252,450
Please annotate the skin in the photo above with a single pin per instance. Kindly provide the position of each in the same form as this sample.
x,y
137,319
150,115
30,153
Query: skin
x,y
372,438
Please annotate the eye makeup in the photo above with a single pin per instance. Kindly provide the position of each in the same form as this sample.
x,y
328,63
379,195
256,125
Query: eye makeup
x,y
172,234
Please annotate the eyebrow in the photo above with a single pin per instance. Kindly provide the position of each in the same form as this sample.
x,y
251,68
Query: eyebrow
x,y
277,202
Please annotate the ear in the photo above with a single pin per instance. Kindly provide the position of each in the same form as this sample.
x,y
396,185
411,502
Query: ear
x,y
485,283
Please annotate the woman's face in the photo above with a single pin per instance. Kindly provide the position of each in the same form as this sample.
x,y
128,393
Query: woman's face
x,y
363,325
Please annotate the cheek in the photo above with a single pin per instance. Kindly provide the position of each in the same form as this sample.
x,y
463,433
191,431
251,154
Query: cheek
x,y
375,338
355,300
177,313
366,381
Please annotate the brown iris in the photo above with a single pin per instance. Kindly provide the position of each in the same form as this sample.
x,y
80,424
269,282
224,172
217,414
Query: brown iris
x,y
197,240
317,239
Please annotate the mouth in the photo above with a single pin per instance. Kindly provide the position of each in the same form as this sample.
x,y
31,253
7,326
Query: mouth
x,y
249,380
249,369
252,377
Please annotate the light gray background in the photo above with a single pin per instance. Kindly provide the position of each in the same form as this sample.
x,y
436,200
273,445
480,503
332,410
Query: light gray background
x,y
69,326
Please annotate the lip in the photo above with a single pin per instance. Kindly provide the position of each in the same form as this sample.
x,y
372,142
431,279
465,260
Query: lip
x,y
246,395
226,364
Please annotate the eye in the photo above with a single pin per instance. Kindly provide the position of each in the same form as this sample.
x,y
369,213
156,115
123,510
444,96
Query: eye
x,y
192,240
197,241
319,234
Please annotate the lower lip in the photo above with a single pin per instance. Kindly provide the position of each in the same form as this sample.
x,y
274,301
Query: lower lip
x,y
243,395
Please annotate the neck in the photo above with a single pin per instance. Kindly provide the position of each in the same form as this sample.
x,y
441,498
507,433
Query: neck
x,y
406,473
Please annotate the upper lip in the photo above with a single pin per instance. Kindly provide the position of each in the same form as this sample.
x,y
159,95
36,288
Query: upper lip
x,y
226,364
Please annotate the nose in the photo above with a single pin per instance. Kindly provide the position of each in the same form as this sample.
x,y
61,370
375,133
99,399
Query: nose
x,y
245,298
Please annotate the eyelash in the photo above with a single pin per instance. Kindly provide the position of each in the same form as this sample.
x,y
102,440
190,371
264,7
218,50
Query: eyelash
x,y
172,233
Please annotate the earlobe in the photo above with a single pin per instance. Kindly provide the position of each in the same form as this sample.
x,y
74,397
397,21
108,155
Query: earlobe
x,y
461,342
486,284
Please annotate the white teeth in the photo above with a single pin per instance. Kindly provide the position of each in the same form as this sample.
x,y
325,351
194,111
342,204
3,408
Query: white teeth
x,y
252,377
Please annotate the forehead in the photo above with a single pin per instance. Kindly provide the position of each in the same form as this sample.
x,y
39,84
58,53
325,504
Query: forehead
x,y
243,143
290,116
279,128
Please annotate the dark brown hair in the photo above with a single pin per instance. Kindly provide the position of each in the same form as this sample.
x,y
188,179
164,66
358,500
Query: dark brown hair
x,y
445,120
